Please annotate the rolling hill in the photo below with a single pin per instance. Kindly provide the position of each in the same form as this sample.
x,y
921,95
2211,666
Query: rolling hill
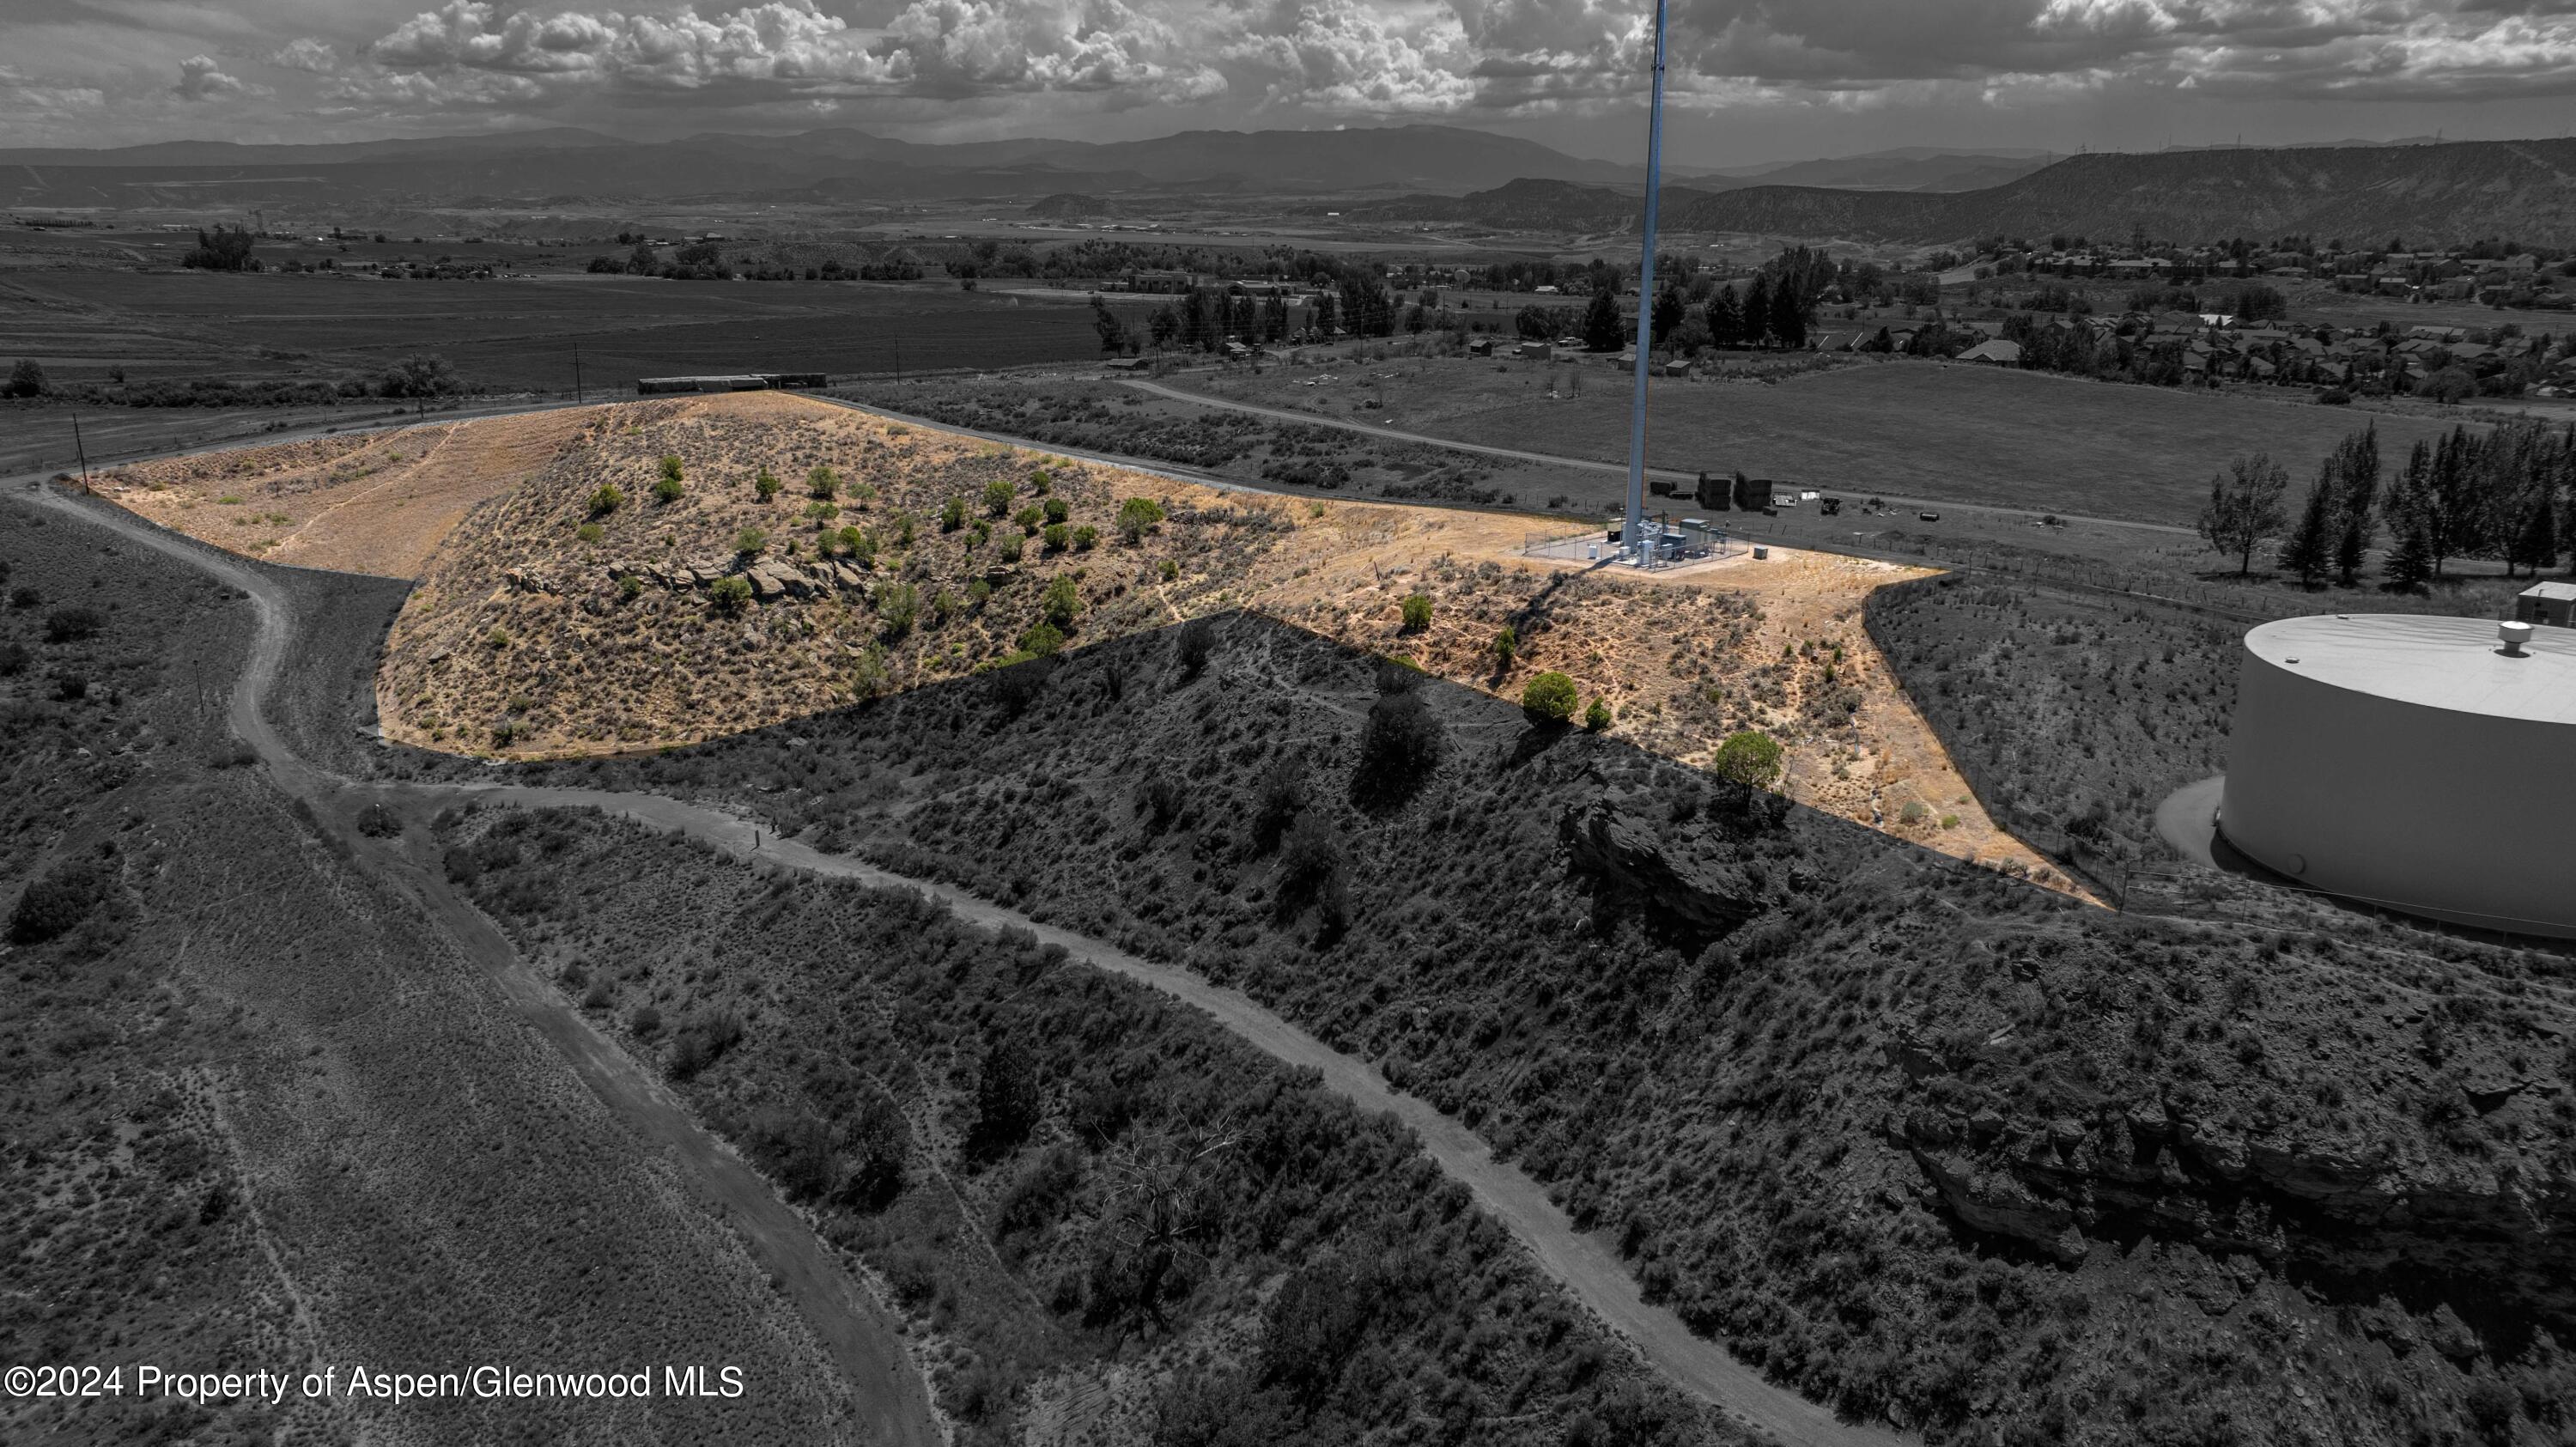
x,y
1907,168
2525,190
843,163
2522,189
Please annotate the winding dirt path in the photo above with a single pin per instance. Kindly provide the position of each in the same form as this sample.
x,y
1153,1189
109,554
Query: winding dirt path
x,y
856,1330
862,1339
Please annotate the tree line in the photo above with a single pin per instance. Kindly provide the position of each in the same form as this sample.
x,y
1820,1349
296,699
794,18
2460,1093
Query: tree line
x,y
2509,496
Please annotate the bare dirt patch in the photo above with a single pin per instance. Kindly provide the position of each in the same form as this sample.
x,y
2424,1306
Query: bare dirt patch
x,y
376,503
547,626
1682,658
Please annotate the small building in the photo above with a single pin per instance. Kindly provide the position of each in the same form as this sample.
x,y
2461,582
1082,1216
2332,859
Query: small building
x,y
1481,347
2550,603
732,382
1537,351
737,382
1996,353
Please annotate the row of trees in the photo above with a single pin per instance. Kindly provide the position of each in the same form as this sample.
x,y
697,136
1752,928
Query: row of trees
x,y
2509,495
1775,307
1202,319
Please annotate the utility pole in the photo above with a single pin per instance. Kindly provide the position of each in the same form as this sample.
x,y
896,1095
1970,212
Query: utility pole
x,y
576,372
1632,536
82,448
898,361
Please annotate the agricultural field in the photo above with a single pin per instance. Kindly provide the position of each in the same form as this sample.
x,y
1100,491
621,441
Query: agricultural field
x,y
1105,1218
260,1115
519,335
1948,432
1881,1124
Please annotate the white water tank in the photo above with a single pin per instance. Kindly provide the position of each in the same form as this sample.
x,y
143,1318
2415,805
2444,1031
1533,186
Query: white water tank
x,y
2425,764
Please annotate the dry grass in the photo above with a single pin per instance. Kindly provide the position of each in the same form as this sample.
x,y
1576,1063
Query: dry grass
x,y
525,640
1682,658
377,503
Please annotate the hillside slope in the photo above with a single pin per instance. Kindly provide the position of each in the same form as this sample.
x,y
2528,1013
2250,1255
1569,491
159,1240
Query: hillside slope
x,y
2423,194
556,618
1922,1141
541,629
376,503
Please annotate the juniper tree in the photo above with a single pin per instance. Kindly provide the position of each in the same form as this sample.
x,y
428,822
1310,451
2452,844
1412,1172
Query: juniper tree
x,y
2410,555
1757,310
2355,468
2310,546
1602,328
2535,543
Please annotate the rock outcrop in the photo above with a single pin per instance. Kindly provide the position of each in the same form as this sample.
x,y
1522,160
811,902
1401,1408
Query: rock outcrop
x,y
771,579
2153,1170
1698,885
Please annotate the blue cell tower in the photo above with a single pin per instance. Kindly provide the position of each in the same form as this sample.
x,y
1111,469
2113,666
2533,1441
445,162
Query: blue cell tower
x,y
1632,536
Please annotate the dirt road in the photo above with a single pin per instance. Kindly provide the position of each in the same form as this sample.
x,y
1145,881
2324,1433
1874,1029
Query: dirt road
x,y
858,1333
861,1337
1583,1263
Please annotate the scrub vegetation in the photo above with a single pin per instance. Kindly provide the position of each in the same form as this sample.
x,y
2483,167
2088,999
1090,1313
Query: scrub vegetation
x,y
257,1114
1108,1218
1927,1142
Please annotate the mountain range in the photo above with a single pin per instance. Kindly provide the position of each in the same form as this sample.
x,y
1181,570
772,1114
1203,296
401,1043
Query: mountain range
x,y
1400,174
2524,190
844,164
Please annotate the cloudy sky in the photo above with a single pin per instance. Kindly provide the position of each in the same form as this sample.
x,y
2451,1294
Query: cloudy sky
x,y
1751,80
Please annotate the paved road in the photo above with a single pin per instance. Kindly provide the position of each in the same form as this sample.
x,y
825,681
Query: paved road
x,y
856,1331
1594,464
860,1336
2188,819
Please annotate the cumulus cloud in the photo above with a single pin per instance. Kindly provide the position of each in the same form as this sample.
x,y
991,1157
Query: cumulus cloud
x,y
965,47
307,54
2366,49
792,49
1352,58
785,42
1338,55
201,79
35,109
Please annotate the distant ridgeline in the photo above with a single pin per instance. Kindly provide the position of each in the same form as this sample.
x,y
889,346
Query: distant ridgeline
x,y
2460,192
